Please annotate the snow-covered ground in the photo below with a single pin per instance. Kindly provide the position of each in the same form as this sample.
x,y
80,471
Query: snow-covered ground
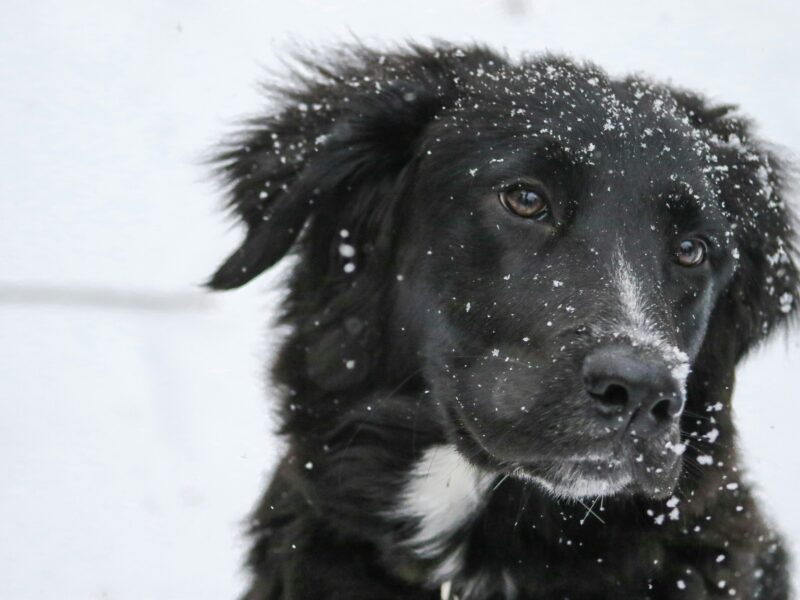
x,y
135,429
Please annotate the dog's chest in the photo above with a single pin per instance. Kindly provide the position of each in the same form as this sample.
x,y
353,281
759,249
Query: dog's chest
x,y
442,496
442,493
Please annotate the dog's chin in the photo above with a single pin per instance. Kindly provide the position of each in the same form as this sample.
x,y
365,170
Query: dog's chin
x,y
578,478
602,477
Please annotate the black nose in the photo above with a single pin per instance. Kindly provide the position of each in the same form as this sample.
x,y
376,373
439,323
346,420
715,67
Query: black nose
x,y
634,392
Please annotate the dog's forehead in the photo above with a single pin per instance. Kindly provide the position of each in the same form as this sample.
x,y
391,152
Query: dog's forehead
x,y
589,115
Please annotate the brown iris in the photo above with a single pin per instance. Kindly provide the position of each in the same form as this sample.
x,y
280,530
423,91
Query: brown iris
x,y
691,252
525,202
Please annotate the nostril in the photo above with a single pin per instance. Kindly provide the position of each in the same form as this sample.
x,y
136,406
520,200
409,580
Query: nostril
x,y
613,399
662,410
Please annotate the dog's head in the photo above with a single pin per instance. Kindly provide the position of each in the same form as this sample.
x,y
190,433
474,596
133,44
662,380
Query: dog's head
x,y
572,262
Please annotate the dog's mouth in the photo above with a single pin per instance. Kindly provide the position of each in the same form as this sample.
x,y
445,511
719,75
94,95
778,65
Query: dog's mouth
x,y
629,466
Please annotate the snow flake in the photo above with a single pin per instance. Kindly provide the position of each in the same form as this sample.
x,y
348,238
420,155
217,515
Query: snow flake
x,y
678,449
786,301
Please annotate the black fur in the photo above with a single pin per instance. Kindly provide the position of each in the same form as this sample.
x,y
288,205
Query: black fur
x,y
422,312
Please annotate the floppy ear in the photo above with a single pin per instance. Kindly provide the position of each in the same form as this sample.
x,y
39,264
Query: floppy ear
x,y
326,177
354,120
753,187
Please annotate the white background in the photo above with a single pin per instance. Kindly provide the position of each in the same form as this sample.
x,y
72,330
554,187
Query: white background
x,y
134,415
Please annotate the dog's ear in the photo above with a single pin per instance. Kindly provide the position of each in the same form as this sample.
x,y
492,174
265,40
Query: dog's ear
x,y
353,122
753,185
326,177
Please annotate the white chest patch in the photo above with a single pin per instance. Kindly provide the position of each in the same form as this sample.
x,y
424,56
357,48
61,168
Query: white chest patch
x,y
443,492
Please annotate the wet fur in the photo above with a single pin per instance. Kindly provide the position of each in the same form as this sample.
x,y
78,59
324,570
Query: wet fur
x,y
343,159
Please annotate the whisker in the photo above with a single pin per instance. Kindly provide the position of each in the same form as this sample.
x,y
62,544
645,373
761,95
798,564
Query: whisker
x,y
499,483
589,511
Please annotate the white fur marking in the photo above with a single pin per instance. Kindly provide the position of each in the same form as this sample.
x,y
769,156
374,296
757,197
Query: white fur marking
x,y
638,325
443,491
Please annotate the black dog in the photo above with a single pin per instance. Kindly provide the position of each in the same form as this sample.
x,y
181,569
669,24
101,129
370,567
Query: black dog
x,y
521,293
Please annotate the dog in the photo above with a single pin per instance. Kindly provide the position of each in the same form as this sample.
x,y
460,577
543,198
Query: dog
x,y
520,292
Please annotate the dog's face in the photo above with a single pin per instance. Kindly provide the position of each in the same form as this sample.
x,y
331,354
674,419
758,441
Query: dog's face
x,y
564,282
552,249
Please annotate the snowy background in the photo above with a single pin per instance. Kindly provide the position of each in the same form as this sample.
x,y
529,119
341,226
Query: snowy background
x,y
135,427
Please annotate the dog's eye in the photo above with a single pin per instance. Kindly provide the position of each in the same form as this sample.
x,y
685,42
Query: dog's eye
x,y
525,202
691,252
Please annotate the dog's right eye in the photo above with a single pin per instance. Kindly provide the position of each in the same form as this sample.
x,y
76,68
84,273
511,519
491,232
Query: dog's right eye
x,y
691,252
526,202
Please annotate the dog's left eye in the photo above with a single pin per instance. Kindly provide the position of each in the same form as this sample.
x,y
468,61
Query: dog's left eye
x,y
525,202
691,252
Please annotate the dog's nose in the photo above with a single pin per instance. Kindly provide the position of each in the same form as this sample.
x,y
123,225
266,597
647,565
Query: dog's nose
x,y
639,394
